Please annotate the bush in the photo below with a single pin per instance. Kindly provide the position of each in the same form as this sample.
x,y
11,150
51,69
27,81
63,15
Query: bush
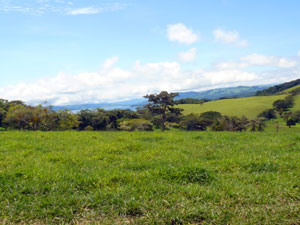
x,y
136,124
268,114
2,129
89,128
193,122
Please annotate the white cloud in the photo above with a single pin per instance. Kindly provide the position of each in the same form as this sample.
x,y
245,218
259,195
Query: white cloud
x,y
39,7
286,63
113,83
110,62
84,11
262,60
188,56
259,60
180,33
229,37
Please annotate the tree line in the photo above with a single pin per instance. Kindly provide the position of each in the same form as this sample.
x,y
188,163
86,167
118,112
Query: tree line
x,y
160,113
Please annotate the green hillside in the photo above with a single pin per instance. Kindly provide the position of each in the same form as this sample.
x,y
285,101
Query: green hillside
x,y
290,89
277,89
249,107
297,103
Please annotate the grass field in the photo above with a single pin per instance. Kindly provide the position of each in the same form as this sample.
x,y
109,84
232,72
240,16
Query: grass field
x,y
175,177
249,107
290,89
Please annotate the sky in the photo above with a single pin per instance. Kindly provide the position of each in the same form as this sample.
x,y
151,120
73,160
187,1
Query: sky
x,y
91,51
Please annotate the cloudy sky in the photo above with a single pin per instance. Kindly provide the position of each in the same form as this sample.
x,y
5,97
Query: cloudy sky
x,y
91,51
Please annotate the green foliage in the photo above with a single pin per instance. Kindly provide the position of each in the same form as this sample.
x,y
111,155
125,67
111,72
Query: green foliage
x,y
283,104
89,128
233,123
194,122
161,104
67,120
268,114
191,101
257,125
136,124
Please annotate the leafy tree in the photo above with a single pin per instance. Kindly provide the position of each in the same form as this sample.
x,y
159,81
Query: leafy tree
x,y
233,123
162,103
194,122
291,118
282,105
67,120
257,125
191,101
268,114
18,117
4,105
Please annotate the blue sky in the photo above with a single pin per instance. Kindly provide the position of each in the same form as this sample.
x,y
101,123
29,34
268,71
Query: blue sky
x,y
80,51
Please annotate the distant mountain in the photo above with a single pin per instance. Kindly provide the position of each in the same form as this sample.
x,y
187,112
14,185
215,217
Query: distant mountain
x,y
278,88
241,91
129,104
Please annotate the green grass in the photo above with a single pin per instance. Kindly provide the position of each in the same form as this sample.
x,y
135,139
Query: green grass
x,y
249,107
290,89
175,177
296,103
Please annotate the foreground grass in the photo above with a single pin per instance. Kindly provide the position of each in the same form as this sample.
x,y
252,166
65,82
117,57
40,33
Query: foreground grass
x,y
150,178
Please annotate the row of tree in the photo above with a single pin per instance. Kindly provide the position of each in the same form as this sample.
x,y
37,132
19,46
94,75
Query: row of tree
x,y
159,113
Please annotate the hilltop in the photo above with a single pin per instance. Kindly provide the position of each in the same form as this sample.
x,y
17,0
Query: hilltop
x,y
277,89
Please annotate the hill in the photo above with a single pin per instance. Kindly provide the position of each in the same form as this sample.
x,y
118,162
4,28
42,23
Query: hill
x,y
240,91
249,107
277,89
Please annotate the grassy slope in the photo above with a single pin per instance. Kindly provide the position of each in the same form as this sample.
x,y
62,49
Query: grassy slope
x,y
297,103
290,89
249,107
150,178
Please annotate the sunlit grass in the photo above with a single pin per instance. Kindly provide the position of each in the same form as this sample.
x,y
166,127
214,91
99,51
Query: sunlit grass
x,y
175,177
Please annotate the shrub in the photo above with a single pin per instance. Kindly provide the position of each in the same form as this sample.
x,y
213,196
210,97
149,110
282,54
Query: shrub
x,y
2,129
136,124
89,128
268,114
193,122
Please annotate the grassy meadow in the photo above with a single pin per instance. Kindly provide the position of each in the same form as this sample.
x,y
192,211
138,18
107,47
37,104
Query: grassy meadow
x,y
249,107
176,177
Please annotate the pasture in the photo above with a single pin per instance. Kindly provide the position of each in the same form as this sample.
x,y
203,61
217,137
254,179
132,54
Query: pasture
x,y
249,107
176,177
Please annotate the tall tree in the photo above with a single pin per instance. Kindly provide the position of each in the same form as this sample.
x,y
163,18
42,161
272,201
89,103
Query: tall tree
x,y
161,104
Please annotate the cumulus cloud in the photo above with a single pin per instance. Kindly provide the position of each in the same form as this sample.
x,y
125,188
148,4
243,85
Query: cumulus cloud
x,y
258,60
82,11
112,83
188,56
229,37
180,33
110,62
